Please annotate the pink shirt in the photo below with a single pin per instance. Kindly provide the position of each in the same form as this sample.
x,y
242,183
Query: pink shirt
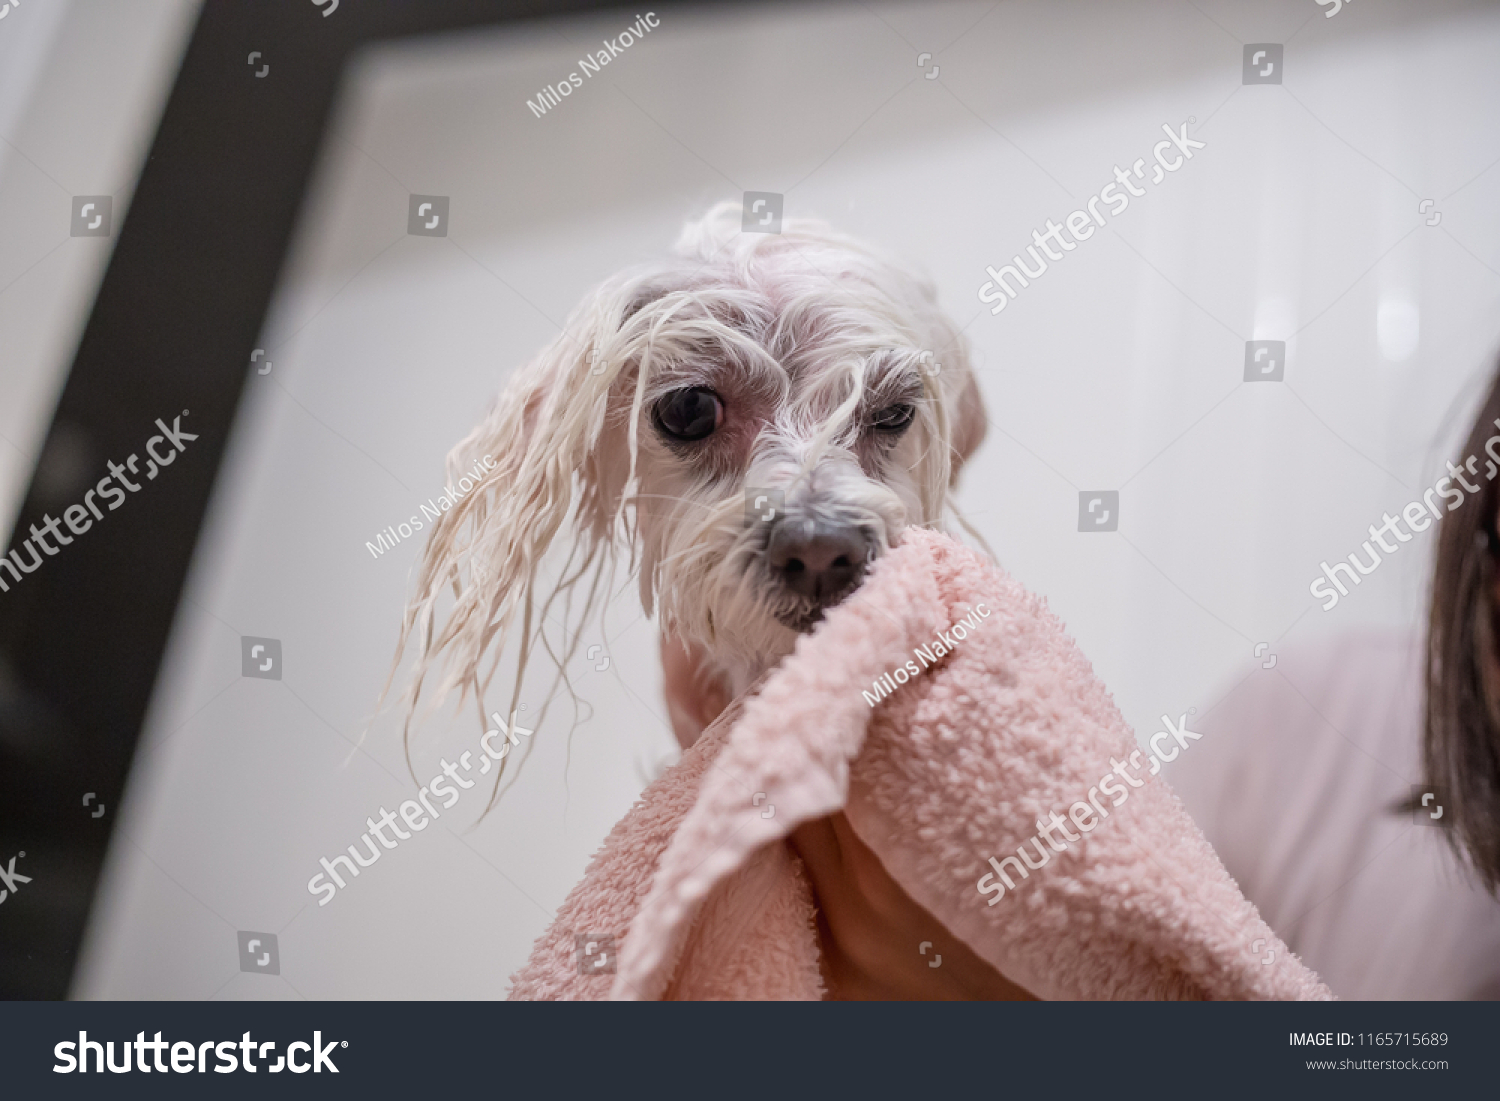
x,y
1293,782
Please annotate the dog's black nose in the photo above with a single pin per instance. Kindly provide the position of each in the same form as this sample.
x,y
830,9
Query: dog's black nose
x,y
821,562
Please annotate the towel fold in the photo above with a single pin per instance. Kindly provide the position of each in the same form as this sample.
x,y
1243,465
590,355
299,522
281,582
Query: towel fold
x,y
983,756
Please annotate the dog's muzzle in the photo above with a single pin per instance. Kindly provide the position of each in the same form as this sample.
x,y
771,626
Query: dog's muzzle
x,y
817,562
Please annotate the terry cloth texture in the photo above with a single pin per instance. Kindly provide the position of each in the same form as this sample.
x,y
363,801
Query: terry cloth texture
x,y
699,888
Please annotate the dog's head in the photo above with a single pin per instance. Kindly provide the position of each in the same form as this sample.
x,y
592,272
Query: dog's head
x,y
756,418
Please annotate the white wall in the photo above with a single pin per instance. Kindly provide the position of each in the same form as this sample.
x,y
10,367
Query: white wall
x,y
1121,368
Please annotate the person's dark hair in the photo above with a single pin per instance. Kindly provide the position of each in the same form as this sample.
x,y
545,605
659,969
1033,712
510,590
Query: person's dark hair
x,y
1461,737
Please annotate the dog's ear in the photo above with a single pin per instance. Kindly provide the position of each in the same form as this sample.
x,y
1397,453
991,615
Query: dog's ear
x,y
969,424
542,445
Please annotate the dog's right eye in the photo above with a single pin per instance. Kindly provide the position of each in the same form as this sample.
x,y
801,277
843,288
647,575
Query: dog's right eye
x,y
689,414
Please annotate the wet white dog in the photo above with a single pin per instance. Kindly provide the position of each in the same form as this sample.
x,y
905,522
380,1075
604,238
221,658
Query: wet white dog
x,y
753,420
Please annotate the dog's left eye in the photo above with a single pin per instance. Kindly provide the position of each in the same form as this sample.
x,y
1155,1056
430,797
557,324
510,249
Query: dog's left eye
x,y
689,414
894,418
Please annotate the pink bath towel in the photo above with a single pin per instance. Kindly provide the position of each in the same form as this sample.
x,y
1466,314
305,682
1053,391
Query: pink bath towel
x,y
950,771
